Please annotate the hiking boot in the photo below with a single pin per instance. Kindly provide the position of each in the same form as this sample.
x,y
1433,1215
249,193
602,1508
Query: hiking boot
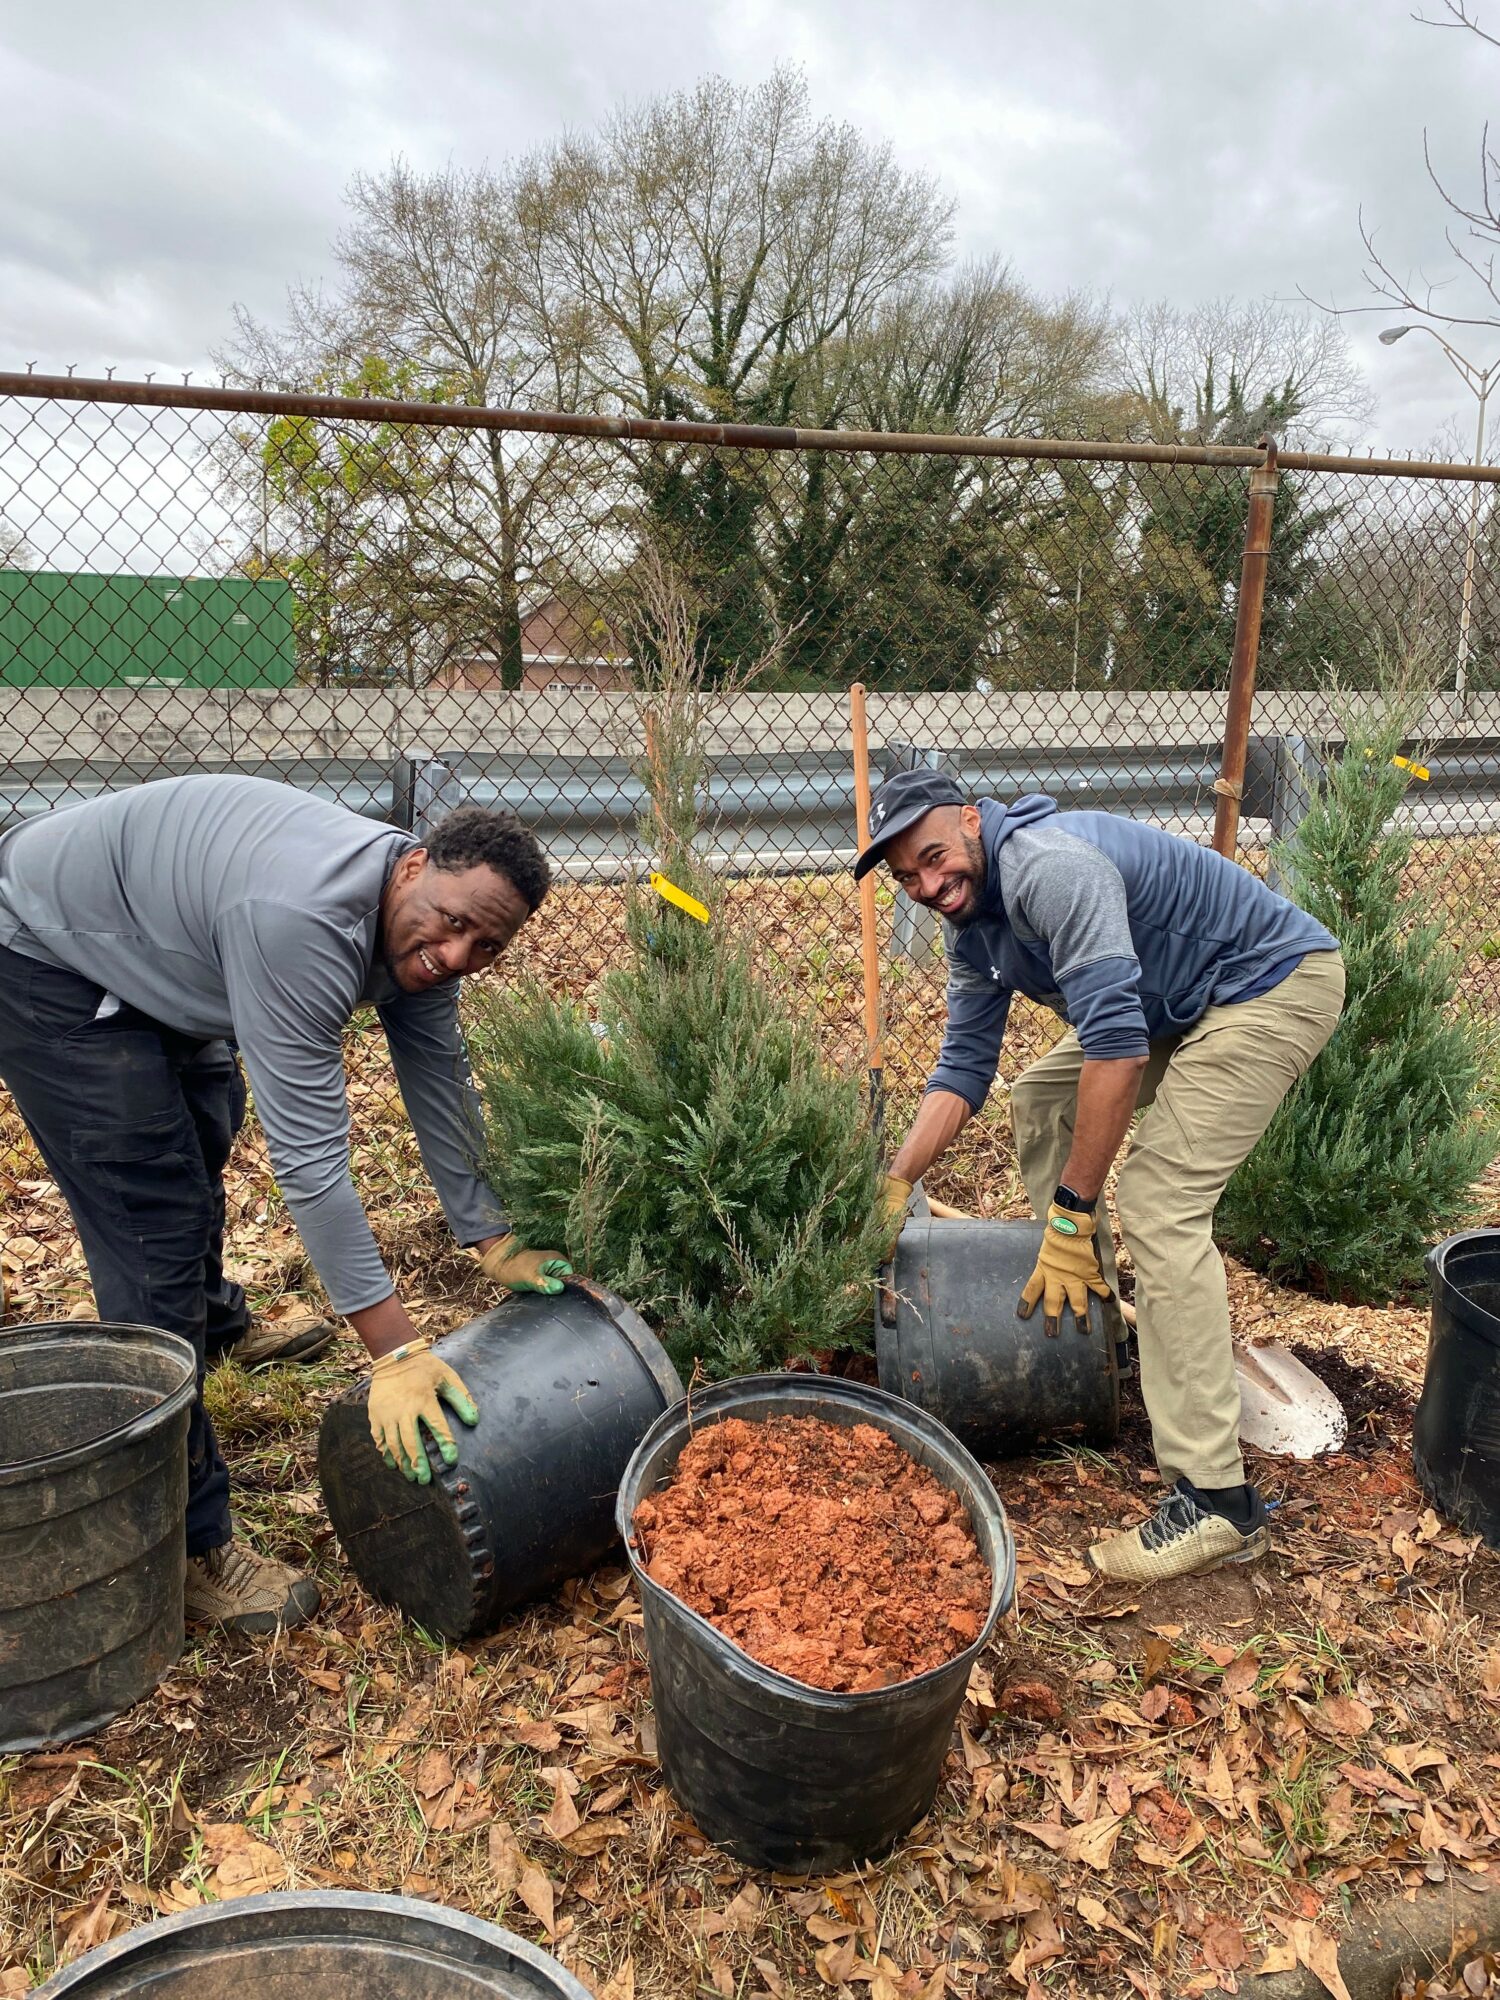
x,y
1184,1537
265,1342
238,1588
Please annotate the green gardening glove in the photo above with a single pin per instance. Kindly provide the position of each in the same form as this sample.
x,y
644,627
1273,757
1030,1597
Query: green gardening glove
x,y
524,1270
405,1386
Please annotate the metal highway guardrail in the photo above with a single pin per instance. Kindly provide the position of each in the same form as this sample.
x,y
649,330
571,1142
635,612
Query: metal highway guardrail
x,y
784,812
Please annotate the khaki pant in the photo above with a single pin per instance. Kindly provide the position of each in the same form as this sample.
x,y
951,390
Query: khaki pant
x,y
1207,1096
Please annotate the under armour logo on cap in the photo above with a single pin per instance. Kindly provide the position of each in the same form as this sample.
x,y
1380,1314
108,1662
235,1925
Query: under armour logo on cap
x,y
878,815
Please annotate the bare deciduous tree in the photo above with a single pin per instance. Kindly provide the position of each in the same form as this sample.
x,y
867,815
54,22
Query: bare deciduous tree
x,y
15,551
1178,364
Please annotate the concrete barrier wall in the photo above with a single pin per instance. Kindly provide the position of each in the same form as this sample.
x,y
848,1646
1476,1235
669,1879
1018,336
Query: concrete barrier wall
x,y
206,725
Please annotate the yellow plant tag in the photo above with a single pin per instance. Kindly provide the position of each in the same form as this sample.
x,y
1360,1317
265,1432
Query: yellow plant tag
x,y
670,893
1405,764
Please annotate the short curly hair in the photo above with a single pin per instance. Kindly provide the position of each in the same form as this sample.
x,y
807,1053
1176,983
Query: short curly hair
x,y
476,837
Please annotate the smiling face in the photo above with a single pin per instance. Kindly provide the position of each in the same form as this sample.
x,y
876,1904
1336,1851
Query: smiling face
x,y
436,924
940,864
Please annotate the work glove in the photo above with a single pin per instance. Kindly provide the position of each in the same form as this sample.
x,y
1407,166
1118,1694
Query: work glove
x,y
405,1386
894,1195
524,1270
1067,1270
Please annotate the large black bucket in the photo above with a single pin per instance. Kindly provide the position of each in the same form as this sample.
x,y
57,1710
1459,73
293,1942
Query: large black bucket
x,y
779,1774
93,1493
331,1945
949,1339
566,1387
1456,1436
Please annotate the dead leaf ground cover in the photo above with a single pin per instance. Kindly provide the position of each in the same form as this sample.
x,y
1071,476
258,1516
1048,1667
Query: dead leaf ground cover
x,y
1150,1792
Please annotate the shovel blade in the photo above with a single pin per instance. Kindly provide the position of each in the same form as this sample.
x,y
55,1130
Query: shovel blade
x,y
1284,1408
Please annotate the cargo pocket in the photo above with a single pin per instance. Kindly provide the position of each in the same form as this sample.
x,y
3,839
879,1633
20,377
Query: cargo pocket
x,y
154,1171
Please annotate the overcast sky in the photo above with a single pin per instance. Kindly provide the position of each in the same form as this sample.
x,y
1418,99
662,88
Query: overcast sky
x,y
164,160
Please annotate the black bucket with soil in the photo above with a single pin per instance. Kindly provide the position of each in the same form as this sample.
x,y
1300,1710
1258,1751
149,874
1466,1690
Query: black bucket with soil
x,y
780,1773
1456,1433
93,1494
327,1945
566,1385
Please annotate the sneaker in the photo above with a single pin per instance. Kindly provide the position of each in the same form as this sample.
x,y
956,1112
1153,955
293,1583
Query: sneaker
x,y
236,1587
266,1342
1184,1537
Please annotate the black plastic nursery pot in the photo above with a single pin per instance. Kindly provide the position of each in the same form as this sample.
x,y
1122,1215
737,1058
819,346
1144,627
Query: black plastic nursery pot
x,y
779,1774
566,1386
1456,1434
949,1339
332,1945
93,1492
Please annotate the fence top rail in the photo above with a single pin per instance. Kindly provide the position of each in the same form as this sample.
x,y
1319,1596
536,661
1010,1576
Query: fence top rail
x,y
751,437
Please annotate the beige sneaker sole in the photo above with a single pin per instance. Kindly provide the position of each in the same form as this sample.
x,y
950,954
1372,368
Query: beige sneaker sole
x,y
1212,1544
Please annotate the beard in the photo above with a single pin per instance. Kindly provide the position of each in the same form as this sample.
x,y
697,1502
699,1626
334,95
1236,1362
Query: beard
x,y
973,876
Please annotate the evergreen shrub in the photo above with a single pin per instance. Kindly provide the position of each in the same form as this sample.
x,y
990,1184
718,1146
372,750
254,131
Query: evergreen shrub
x,y
1373,1155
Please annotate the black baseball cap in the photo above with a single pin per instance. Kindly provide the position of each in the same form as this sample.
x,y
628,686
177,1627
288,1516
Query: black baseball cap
x,y
904,798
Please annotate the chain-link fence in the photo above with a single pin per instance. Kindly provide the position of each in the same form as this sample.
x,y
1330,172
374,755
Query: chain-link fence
x,y
398,607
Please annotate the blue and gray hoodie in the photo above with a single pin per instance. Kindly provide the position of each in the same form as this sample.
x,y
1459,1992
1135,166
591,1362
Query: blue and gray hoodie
x,y
1127,932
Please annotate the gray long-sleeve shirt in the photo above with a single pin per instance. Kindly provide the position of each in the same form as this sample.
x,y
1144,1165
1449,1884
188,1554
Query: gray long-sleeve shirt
x,y
241,908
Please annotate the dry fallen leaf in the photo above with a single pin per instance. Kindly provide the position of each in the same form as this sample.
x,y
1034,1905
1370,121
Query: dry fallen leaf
x,y
1224,1945
836,1961
620,1985
1339,1715
536,1892
1091,1843
505,1857
1241,1674
545,1736
564,1817
434,1774
1320,1954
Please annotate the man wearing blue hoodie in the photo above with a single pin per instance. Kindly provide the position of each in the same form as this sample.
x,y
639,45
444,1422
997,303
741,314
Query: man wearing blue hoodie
x,y
1192,994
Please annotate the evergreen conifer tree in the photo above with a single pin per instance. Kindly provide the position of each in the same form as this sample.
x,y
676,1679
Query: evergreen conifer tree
x,y
698,1155
1373,1155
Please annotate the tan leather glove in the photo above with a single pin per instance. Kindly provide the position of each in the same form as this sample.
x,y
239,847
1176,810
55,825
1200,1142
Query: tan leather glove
x,y
1067,1270
404,1389
895,1193
524,1270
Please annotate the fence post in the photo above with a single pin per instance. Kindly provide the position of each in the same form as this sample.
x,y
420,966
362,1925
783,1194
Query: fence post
x,y
1229,786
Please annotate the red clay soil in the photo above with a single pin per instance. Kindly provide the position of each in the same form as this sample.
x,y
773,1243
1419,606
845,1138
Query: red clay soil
x,y
825,1553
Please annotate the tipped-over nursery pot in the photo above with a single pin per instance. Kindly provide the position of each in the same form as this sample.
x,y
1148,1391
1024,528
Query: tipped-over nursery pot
x,y
325,1945
1456,1435
779,1774
93,1490
949,1339
566,1386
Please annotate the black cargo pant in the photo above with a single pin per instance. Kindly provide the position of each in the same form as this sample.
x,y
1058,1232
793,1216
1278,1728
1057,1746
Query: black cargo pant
x,y
135,1123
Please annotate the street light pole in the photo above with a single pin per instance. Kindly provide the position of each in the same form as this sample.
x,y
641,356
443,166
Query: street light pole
x,y
1478,382
1461,670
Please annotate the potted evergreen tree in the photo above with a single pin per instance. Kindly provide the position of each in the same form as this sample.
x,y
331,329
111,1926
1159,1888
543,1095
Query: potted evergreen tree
x,y
697,1154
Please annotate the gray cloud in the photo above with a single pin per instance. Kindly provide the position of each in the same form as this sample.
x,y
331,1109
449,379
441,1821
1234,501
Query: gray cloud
x,y
163,163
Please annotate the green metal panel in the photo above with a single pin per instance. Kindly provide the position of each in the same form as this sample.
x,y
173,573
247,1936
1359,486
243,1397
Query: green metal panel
x,y
244,632
143,631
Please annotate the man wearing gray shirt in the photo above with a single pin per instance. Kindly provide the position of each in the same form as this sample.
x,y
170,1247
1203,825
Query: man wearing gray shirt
x,y
1191,993
142,933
